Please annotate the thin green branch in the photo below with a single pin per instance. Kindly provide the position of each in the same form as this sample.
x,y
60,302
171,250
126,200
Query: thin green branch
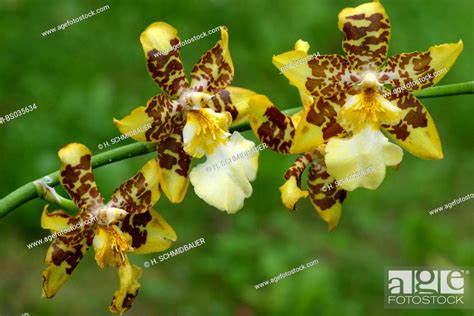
x,y
447,90
31,191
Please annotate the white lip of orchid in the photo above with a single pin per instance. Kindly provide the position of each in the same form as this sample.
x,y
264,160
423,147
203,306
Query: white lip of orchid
x,y
108,215
370,81
368,107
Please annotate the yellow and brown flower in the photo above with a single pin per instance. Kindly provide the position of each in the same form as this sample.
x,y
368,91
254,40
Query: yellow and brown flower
x,y
192,119
347,106
127,223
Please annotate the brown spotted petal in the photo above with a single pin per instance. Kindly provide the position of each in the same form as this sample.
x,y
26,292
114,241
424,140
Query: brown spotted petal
x,y
416,132
319,76
319,123
64,254
325,196
418,70
149,232
271,126
214,70
233,100
139,193
161,46
77,178
174,166
366,35
291,191
165,115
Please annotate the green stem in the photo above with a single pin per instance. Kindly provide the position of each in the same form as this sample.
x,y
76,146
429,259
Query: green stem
x,y
447,90
29,191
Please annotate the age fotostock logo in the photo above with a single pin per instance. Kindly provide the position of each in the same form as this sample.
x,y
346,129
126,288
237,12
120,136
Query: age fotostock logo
x,y
423,287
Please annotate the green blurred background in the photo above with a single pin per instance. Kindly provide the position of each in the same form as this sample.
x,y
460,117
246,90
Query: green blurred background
x,y
94,70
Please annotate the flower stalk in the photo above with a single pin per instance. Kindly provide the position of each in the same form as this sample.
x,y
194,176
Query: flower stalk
x,y
36,189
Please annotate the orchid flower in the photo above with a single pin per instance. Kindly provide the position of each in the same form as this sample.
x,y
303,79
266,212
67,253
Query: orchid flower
x,y
127,223
193,119
347,105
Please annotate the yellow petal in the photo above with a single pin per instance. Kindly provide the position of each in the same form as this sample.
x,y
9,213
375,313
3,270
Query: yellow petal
x,y
77,178
149,232
214,70
135,124
418,70
366,35
291,193
359,161
55,221
174,166
326,197
204,131
319,123
416,132
223,181
63,255
128,291
161,46
152,123
271,126
139,193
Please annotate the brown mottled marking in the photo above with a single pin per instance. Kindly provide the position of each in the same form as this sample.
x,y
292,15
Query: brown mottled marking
x,y
161,110
366,40
407,69
171,153
222,101
327,75
212,72
297,168
415,116
135,224
318,177
167,70
71,247
133,195
278,130
323,113
79,183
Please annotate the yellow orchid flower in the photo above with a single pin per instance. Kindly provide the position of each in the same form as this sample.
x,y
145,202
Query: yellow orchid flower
x,y
127,223
193,119
347,105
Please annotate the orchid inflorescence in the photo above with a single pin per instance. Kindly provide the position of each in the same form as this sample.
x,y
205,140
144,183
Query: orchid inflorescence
x,y
348,108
